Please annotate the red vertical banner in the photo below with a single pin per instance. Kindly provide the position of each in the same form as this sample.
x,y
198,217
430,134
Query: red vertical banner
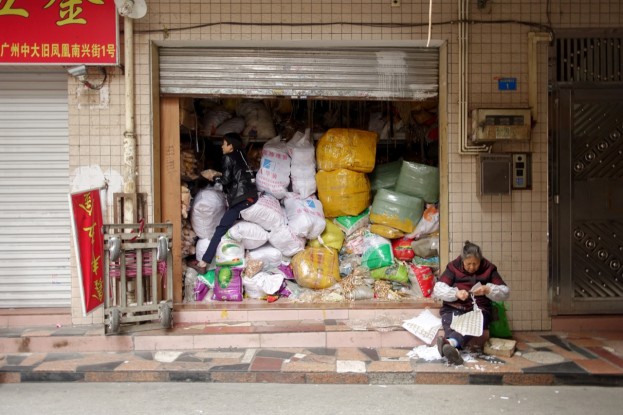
x,y
87,224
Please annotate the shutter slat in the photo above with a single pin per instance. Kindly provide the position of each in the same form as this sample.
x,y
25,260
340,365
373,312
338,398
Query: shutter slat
x,y
35,230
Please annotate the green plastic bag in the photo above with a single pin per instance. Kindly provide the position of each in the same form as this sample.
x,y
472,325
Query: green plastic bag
x,y
499,326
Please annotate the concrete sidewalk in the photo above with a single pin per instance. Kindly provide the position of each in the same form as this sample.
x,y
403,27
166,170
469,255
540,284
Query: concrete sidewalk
x,y
72,354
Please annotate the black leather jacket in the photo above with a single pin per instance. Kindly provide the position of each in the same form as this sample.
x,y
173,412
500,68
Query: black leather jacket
x,y
238,179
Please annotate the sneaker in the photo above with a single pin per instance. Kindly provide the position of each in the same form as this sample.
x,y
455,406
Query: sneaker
x,y
452,354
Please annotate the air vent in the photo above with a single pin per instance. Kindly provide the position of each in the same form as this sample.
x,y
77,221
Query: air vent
x,y
594,60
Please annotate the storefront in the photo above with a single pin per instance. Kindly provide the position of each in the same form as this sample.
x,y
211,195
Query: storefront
x,y
282,88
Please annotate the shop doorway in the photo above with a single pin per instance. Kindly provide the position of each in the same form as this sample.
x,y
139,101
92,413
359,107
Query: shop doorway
x,y
347,98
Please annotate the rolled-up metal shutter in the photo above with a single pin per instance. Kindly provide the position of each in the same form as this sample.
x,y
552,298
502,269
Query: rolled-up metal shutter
x,y
34,183
366,73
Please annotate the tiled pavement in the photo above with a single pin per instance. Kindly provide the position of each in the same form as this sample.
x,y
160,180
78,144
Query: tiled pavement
x,y
542,358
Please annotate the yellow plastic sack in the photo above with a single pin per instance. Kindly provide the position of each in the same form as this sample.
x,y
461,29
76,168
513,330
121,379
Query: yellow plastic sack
x,y
345,148
316,268
343,192
333,237
386,231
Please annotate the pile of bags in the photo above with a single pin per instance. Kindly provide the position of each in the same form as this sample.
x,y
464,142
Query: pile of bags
x,y
333,247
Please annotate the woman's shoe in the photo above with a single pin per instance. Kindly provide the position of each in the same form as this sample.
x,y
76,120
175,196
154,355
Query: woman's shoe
x,y
452,354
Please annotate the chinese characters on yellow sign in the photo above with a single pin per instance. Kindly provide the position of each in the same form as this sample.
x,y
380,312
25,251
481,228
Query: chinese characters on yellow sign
x,y
62,32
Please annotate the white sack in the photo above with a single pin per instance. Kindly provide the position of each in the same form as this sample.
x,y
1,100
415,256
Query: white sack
x,y
286,241
274,174
305,216
208,209
251,235
303,163
269,255
266,212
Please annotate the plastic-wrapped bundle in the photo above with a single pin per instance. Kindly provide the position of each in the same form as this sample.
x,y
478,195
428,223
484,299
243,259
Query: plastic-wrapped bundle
x,y
343,192
419,180
385,175
396,210
316,268
343,148
333,237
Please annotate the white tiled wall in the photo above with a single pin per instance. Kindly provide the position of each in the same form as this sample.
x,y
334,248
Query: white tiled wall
x,y
511,229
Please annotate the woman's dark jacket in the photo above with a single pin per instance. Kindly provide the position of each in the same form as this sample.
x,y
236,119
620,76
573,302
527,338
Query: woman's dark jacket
x,y
456,276
237,179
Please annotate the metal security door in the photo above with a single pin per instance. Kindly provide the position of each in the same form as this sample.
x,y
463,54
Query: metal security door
x,y
588,200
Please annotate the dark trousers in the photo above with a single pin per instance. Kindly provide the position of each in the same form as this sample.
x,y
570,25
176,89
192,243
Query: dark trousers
x,y
446,314
229,218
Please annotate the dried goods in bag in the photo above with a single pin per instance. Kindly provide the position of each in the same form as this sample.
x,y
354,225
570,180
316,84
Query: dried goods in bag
x,y
344,148
316,268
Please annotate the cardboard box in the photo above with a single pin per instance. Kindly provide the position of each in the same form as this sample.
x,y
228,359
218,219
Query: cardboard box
x,y
500,347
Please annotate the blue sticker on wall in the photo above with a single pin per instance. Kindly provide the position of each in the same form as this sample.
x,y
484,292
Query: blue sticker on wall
x,y
507,84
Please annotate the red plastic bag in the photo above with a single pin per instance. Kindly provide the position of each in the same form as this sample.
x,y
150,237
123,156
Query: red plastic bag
x,y
425,279
402,248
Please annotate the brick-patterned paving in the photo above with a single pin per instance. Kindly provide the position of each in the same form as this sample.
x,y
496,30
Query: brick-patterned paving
x,y
583,359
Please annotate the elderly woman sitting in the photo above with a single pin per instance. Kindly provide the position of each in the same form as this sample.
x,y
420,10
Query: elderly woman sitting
x,y
470,273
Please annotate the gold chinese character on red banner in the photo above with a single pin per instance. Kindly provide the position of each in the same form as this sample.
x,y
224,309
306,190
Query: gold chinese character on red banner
x,y
7,9
87,205
70,11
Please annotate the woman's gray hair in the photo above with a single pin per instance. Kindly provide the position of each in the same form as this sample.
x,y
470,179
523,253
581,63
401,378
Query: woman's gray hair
x,y
471,250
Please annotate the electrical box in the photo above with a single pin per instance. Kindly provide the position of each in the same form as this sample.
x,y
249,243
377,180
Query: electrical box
x,y
493,125
495,174
522,171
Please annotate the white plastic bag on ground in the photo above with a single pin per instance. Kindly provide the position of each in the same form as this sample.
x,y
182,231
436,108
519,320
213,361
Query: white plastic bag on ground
x,y
305,216
303,163
274,174
208,209
269,255
251,235
266,212
286,241
262,284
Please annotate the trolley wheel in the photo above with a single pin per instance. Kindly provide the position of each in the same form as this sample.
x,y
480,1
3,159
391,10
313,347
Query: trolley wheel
x,y
115,320
166,315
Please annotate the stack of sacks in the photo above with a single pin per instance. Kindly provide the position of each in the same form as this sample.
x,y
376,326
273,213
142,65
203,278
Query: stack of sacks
x,y
396,212
344,156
